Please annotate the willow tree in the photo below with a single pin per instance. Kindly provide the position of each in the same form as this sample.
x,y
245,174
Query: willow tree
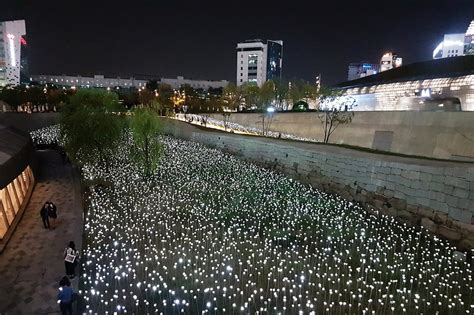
x,y
147,148
91,127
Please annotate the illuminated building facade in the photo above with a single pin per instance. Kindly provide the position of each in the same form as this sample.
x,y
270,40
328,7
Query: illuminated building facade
x,y
361,69
436,85
96,81
16,178
11,40
451,46
99,81
205,85
259,61
389,61
454,45
274,59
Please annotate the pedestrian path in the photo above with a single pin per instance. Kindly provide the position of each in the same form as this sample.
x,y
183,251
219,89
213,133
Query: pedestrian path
x,y
32,263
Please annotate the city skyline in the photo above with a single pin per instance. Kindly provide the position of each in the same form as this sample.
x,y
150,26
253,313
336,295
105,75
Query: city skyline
x,y
198,40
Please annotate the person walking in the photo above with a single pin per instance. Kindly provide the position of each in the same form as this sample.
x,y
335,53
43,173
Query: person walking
x,y
71,256
63,155
65,296
44,213
52,213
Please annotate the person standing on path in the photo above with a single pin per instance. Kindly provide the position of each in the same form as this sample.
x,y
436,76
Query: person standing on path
x,y
65,296
52,213
44,213
71,256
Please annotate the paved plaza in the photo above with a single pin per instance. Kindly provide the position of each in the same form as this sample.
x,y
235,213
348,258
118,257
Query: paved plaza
x,y
32,263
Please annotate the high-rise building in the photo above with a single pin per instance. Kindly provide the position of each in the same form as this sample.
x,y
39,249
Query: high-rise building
x,y
389,61
11,39
451,46
259,61
274,59
359,70
24,64
458,44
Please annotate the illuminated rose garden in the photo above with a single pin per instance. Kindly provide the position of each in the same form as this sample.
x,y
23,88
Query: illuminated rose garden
x,y
209,233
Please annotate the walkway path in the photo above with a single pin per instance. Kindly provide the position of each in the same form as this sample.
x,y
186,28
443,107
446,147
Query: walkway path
x,y
32,263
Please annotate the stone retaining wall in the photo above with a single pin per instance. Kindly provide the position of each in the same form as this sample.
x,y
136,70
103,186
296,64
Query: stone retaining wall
x,y
442,135
438,195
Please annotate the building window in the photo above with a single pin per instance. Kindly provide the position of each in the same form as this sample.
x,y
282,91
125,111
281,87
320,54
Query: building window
x,y
11,199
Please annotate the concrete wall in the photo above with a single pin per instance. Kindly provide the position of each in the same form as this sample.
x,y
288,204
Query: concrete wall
x,y
29,122
436,194
444,135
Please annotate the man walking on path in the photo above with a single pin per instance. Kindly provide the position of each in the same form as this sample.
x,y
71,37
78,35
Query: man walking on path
x,y
44,213
65,296
52,213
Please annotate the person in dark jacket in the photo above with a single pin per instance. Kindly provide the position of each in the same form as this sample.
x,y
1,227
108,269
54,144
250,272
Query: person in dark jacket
x,y
71,256
65,296
44,213
52,213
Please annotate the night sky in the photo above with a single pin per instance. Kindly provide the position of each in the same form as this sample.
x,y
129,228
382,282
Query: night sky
x,y
198,39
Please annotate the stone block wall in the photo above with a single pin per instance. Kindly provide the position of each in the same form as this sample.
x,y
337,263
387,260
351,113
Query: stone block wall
x,y
442,135
435,194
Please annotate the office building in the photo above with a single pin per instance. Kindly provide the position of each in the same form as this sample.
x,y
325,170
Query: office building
x,y
195,84
454,45
274,59
451,46
361,69
11,40
99,81
96,81
445,84
389,61
259,61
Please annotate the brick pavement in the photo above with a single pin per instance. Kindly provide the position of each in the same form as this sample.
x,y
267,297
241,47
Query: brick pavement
x,y
32,263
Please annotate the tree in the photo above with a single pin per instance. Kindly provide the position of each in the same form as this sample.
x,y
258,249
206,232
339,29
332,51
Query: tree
x,y
335,110
35,95
204,119
13,96
214,103
266,118
146,97
281,94
147,148
90,126
165,94
267,94
152,85
55,96
226,119
251,95
129,97
232,96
